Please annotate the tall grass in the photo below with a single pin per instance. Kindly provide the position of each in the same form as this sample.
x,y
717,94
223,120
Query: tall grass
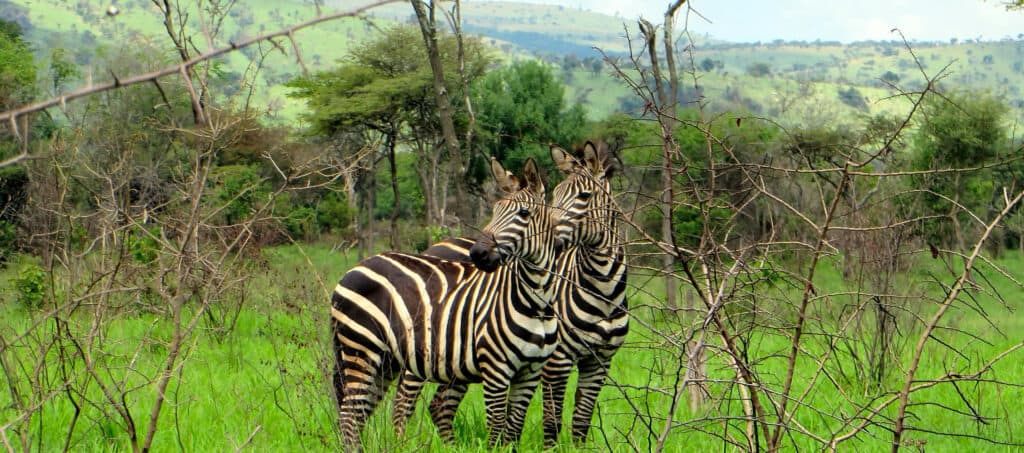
x,y
265,385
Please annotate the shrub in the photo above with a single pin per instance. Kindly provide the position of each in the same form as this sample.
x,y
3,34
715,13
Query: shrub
x,y
301,223
333,213
8,236
30,285
143,247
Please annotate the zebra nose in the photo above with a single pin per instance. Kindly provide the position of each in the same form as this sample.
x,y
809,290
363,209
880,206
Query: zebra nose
x,y
484,256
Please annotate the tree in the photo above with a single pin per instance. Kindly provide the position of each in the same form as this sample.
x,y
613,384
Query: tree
x,y
890,77
707,65
386,86
960,130
522,110
759,70
17,67
853,98
17,87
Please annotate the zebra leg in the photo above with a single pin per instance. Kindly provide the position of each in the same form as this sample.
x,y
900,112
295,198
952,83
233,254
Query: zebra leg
x,y
593,370
519,395
496,392
554,376
362,384
409,388
443,407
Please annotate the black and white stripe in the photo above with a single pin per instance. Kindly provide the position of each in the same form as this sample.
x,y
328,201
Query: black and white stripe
x,y
454,322
590,299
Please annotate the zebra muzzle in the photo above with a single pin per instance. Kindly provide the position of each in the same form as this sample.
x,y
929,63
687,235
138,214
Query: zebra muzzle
x,y
485,255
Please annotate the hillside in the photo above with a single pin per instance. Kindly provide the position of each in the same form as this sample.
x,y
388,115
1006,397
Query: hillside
x,y
789,81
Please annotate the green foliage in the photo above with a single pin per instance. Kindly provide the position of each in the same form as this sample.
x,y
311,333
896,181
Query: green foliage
x,y
689,224
759,69
239,191
301,223
959,130
30,285
890,77
8,238
853,98
17,68
10,29
279,349
382,83
707,65
333,212
62,69
521,110
144,246
818,144
409,189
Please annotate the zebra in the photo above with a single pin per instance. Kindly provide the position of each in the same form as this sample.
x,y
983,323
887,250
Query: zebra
x,y
590,301
445,321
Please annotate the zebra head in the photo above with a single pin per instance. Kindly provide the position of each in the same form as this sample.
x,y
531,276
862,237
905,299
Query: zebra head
x,y
584,196
521,224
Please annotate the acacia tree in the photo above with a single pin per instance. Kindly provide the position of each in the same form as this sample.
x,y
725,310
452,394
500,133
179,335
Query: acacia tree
x,y
385,86
958,131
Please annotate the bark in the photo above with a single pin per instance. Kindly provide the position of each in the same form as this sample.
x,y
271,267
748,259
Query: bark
x,y
428,27
396,207
665,104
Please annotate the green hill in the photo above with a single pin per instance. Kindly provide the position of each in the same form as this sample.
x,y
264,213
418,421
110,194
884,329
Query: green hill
x,y
788,81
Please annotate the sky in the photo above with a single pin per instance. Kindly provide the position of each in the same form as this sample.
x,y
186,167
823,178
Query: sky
x,y
828,20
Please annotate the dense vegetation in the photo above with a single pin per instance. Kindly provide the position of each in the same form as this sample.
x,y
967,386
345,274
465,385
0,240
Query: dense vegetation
x,y
811,267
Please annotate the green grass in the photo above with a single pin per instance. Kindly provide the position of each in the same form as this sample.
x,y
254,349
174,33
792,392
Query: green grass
x,y
268,377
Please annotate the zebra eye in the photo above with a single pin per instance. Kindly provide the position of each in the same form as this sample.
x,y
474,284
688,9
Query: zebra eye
x,y
524,213
584,196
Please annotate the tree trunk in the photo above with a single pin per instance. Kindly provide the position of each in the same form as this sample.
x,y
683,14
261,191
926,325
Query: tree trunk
x,y
371,204
664,105
396,207
428,27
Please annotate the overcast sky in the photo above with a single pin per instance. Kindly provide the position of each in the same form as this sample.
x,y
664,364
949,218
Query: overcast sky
x,y
844,20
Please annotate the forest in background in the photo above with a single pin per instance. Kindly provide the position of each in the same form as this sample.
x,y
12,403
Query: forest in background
x,y
878,165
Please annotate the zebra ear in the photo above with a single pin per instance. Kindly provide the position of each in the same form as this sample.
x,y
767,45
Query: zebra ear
x,y
612,162
594,159
563,160
531,174
601,160
503,178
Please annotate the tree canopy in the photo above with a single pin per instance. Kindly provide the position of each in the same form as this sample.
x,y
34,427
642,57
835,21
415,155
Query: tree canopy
x,y
522,110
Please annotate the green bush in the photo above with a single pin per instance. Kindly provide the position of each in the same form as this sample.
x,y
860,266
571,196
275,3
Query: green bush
x,y
8,236
301,223
240,190
144,247
31,285
333,212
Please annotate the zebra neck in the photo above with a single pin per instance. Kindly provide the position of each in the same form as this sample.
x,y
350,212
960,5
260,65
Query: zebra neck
x,y
535,280
607,248
600,263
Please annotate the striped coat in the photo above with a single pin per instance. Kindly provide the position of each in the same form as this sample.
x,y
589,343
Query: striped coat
x,y
590,300
488,321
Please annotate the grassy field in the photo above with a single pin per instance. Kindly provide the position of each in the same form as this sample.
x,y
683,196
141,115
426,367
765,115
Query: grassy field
x,y
264,384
